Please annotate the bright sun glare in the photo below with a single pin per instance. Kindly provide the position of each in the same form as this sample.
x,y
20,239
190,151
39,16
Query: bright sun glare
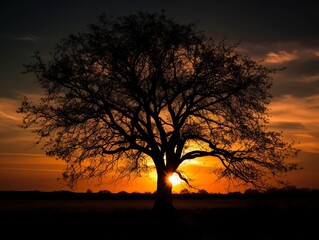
x,y
175,179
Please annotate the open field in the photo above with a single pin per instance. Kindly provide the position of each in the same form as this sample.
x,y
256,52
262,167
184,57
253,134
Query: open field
x,y
289,218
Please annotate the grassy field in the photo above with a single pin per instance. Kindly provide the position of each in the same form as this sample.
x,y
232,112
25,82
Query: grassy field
x,y
219,219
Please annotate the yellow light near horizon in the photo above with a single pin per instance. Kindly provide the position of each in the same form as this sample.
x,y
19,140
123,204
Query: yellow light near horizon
x,y
174,179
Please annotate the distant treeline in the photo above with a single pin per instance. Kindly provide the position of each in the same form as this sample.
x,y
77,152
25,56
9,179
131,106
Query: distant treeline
x,y
287,192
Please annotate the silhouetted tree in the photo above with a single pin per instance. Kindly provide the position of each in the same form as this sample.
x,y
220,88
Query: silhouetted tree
x,y
184,191
143,88
89,191
105,192
251,191
122,193
202,191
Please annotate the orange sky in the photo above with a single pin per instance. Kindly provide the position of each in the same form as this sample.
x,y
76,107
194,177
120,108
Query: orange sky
x,y
282,36
25,167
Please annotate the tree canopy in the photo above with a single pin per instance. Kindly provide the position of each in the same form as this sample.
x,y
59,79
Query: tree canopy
x,y
141,88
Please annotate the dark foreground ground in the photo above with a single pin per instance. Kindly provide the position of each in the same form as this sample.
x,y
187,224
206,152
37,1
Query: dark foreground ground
x,y
218,219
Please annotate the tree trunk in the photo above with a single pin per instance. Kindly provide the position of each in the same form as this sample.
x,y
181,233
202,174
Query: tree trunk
x,y
164,200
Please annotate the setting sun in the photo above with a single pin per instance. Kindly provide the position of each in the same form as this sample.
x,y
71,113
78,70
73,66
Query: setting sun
x,y
174,179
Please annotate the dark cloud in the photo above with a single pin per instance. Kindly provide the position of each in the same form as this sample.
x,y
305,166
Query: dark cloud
x,y
295,126
295,88
300,77
304,67
297,64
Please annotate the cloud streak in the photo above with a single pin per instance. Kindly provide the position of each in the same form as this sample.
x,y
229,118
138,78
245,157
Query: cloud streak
x,y
12,137
298,118
26,38
8,109
32,169
280,57
21,154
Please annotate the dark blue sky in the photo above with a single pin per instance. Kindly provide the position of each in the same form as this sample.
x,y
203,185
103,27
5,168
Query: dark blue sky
x,y
28,26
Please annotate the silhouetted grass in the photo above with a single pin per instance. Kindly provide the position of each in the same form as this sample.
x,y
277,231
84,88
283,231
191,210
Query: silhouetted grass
x,y
219,223
250,218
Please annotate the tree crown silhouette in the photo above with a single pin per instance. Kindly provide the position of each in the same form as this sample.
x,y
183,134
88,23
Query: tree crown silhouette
x,y
143,87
